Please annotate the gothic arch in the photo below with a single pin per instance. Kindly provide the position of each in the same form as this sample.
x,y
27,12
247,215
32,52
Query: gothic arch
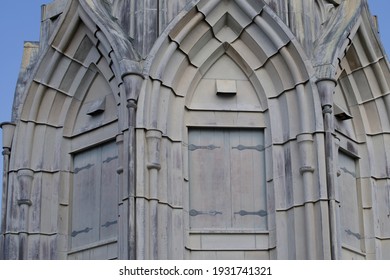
x,y
221,70
362,127
80,84
271,59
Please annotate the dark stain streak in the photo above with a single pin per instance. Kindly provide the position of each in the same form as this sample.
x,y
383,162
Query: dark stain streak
x,y
273,6
351,148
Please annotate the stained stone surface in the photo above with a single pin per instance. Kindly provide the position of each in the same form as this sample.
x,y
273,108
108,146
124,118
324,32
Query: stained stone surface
x,y
203,129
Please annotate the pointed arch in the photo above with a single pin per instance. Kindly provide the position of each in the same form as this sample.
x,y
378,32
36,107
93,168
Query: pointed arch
x,y
81,85
269,57
363,94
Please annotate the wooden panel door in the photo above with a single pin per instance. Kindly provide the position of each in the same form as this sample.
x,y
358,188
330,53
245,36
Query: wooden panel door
x,y
227,197
95,204
350,209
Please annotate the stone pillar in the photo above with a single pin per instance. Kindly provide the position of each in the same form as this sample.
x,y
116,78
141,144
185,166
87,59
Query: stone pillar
x,y
132,110
305,144
132,82
326,89
8,133
122,201
153,138
25,178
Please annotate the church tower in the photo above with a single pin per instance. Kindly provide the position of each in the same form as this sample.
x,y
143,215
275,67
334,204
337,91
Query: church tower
x,y
200,129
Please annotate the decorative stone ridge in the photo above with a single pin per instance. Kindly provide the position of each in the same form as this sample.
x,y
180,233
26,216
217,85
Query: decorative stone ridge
x,y
8,133
25,180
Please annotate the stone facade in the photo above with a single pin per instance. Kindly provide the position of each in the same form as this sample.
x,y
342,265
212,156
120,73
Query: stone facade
x,y
194,129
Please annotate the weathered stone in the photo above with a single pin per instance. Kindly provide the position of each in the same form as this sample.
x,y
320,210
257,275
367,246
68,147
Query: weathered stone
x,y
200,129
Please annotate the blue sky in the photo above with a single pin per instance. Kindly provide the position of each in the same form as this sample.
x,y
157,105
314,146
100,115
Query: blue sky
x,y
20,21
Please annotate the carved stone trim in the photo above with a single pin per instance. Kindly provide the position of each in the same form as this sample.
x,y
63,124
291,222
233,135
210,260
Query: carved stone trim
x,y
6,152
327,110
24,202
25,180
132,104
153,166
305,169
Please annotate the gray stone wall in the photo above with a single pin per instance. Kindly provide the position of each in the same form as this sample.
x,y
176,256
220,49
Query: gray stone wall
x,y
139,127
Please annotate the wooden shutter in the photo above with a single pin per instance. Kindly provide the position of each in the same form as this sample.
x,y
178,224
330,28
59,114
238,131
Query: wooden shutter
x,y
227,179
95,198
350,210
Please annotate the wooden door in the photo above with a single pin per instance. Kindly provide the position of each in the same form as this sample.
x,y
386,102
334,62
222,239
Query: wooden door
x,y
95,204
350,209
227,197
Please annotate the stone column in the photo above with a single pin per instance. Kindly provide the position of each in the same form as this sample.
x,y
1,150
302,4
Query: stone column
x,y
8,133
305,144
153,138
126,140
326,89
132,110
25,178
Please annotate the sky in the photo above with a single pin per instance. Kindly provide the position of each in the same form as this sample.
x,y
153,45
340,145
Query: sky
x,y
20,21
